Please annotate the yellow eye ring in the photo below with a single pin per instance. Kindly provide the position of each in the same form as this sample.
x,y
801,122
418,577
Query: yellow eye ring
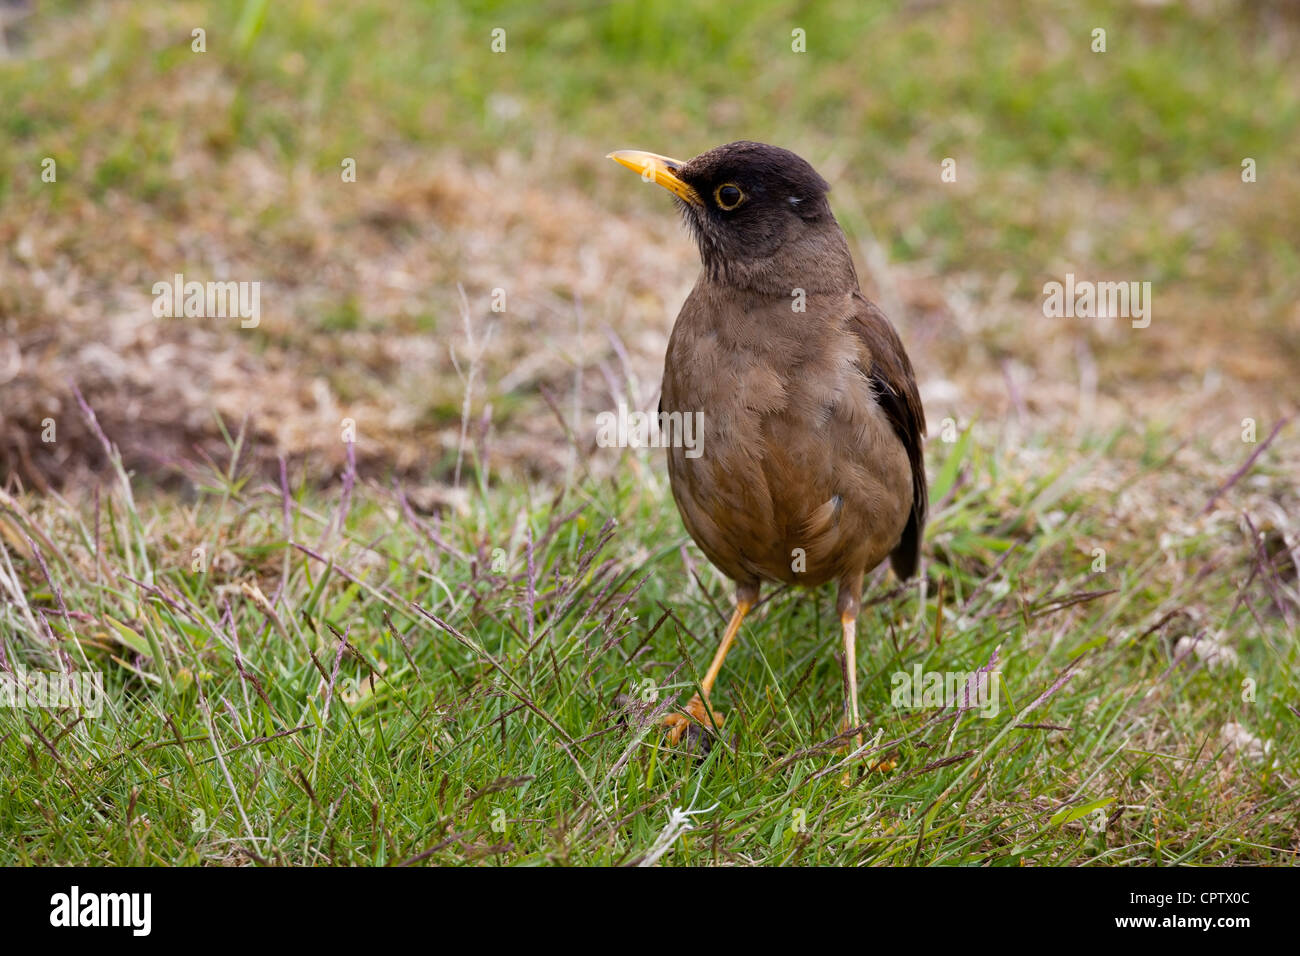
x,y
733,194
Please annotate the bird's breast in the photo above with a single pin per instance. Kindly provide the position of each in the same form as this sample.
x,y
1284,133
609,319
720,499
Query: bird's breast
x,y
795,477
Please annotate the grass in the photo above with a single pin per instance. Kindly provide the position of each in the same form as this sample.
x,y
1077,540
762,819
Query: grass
x,y
412,649
351,682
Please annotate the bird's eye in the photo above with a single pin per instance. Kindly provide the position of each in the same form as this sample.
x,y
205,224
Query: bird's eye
x,y
728,196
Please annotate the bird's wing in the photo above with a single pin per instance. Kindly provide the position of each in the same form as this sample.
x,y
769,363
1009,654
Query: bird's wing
x,y
894,382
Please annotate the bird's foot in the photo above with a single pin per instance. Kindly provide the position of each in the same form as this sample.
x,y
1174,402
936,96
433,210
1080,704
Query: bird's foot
x,y
696,724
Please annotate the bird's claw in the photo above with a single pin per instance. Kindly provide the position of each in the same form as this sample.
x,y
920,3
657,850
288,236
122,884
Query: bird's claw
x,y
696,725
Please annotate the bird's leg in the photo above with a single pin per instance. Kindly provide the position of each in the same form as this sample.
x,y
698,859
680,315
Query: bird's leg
x,y
849,624
700,709
848,604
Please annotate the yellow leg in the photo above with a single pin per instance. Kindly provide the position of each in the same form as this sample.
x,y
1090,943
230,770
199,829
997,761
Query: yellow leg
x,y
849,623
728,638
701,710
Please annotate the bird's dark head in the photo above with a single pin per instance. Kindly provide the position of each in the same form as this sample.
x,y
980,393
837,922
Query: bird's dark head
x,y
758,213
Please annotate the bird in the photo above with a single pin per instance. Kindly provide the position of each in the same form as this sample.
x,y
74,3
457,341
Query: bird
x,y
809,466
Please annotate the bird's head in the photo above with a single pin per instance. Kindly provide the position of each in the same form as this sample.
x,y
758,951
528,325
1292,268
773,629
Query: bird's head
x,y
758,213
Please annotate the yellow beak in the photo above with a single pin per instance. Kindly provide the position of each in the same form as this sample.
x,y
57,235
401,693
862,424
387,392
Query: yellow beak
x,y
657,169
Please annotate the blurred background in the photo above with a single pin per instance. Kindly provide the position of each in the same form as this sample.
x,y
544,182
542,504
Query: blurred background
x,y
481,169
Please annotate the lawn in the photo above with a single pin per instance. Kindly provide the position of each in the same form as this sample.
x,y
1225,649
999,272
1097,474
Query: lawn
x,y
361,587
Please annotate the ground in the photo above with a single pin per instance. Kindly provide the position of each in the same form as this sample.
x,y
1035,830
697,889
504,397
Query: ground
x,y
411,647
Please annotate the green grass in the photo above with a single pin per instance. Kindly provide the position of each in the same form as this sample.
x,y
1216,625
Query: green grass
x,y
408,692
352,682
888,89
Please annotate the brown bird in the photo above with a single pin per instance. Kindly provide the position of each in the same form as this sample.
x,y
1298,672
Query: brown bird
x,y
809,466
